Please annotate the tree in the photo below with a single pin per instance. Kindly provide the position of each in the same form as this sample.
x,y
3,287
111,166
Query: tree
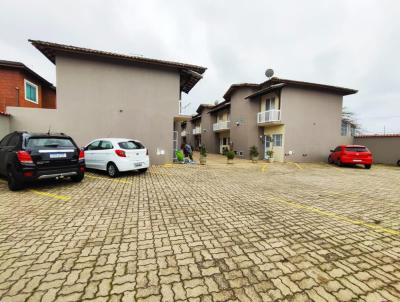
x,y
349,117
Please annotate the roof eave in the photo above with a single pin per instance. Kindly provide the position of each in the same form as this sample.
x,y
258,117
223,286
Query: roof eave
x,y
190,74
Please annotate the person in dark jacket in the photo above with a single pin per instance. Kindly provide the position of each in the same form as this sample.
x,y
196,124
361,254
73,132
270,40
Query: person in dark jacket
x,y
188,150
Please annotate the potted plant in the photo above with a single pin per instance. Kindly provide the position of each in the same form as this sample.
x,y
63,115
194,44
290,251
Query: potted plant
x,y
254,154
203,154
270,154
230,155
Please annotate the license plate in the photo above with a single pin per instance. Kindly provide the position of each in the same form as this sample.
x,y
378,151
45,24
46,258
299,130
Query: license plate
x,y
357,160
58,155
138,164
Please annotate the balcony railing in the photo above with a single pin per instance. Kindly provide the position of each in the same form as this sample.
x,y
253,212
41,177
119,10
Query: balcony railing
x,y
222,125
269,116
197,130
183,133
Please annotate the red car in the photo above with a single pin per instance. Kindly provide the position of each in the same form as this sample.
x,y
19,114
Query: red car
x,y
351,155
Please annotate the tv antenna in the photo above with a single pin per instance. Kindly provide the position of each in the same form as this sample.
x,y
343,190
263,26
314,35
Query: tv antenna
x,y
269,73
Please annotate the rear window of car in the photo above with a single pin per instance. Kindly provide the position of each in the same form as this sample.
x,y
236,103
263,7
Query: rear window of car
x,y
130,145
49,142
356,149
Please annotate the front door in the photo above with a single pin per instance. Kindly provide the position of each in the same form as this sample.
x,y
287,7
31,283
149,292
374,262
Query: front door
x,y
267,146
224,144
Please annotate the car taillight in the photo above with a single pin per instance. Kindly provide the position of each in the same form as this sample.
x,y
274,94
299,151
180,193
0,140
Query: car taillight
x,y
120,153
81,155
24,157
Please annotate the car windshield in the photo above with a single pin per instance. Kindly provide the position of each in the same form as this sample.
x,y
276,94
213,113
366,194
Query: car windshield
x,y
356,149
48,142
130,145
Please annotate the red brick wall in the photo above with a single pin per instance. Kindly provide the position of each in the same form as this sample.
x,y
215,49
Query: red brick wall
x,y
10,79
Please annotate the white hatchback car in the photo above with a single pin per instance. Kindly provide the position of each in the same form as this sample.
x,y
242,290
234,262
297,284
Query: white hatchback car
x,y
116,155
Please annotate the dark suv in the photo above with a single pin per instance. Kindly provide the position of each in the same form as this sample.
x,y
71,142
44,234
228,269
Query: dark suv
x,y
26,157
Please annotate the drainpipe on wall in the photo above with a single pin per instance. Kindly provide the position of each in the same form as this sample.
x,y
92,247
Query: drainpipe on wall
x,y
17,95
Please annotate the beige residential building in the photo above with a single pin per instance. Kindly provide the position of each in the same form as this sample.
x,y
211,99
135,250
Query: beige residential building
x,y
103,94
298,121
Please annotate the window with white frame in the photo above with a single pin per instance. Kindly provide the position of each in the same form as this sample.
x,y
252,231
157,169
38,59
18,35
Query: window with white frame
x,y
277,140
31,92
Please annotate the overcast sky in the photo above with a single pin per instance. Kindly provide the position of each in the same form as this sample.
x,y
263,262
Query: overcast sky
x,y
355,44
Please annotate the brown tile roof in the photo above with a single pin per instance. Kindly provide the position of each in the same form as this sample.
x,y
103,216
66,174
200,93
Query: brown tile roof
x,y
309,85
190,74
21,66
220,106
233,87
265,90
204,106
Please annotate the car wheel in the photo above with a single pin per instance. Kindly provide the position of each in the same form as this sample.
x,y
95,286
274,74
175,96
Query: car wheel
x,y
367,166
112,170
339,163
143,170
398,163
13,183
78,178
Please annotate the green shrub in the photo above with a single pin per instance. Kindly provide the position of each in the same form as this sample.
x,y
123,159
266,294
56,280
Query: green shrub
x,y
270,153
203,151
254,151
230,154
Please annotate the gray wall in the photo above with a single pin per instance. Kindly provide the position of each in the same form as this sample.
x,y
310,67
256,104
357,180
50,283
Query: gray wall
x,y
208,137
312,124
385,149
4,125
103,99
247,133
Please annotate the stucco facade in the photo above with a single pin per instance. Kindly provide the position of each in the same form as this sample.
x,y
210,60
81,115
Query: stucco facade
x,y
385,148
298,121
101,99
312,122
4,125
208,137
244,131
104,97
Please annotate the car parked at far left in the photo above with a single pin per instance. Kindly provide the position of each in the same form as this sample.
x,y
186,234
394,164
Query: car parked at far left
x,y
27,157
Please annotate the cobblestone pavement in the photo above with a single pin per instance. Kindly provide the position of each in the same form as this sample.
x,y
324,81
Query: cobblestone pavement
x,y
240,232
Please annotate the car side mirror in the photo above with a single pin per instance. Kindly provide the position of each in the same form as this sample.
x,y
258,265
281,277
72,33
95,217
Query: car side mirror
x,y
85,148
332,151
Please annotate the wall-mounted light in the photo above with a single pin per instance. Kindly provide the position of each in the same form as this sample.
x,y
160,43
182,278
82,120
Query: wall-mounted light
x,y
237,123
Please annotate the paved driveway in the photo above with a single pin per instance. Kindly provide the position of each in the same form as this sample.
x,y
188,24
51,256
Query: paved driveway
x,y
241,232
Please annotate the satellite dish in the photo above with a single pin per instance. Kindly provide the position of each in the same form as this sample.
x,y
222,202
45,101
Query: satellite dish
x,y
269,73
